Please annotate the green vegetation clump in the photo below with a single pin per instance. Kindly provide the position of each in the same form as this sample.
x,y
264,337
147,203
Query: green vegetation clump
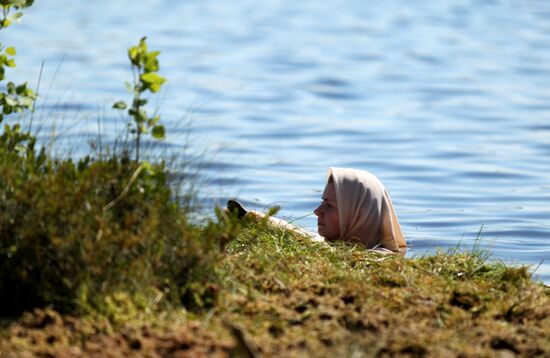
x,y
84,235
16,98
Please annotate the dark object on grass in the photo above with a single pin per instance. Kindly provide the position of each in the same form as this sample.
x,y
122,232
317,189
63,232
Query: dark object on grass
x,y
236,207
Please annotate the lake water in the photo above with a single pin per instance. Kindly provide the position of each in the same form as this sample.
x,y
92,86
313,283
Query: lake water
x,y
447,102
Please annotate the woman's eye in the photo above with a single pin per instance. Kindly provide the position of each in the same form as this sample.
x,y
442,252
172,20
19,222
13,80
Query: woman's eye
x,y
326,205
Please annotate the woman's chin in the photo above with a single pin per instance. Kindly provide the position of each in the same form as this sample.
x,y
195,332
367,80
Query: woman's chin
x,y
320,231
325,235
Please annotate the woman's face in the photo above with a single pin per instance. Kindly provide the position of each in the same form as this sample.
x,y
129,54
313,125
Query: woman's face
x,y
328,222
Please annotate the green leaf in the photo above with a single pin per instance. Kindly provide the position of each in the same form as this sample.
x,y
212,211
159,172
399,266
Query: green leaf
x,y
8,106
11,88
143,44
151,62
30,94
152,78
138,102
158,132
142,114
4,23
142,128
21,89
134,55
16,16
120,105
10,63
21,3
27,102
11,51
139,116
152,121
154,88
152,81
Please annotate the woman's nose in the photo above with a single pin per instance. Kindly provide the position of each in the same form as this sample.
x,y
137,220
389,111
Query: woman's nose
x,y
317,211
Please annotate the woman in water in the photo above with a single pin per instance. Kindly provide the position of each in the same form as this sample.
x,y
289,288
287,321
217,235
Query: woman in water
x,y
355,208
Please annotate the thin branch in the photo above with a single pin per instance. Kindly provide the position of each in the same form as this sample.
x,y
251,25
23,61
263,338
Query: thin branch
x,y
36,93
126,189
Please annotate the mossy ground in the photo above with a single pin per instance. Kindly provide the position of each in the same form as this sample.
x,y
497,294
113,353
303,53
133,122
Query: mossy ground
x,y
280,294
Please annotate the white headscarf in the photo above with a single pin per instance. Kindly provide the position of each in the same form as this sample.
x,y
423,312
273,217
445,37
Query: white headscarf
x,y
365,210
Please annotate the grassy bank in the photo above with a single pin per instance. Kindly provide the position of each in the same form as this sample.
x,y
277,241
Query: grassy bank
x,y
279,294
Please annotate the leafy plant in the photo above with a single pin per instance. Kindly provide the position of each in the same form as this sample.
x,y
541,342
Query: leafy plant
x,y
146,79
16,98
7,5
81,235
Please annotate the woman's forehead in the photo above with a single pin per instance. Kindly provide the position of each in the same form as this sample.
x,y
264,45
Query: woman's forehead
x,y
330,192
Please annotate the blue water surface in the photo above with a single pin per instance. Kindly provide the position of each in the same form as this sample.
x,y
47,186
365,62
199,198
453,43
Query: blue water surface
x,y
447,102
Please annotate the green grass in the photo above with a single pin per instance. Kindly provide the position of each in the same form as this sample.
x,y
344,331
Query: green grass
x,y
280,294
297,297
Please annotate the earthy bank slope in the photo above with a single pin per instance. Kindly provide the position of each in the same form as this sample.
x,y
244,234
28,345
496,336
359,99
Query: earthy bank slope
x,y
281,295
